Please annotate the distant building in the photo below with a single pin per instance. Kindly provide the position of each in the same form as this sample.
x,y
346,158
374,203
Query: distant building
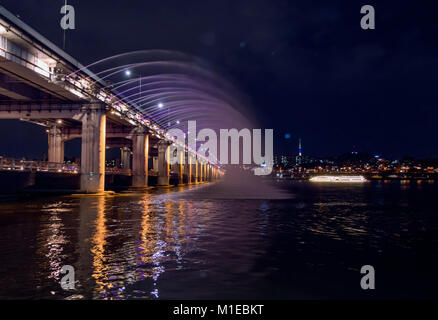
x,y
284,161
299,157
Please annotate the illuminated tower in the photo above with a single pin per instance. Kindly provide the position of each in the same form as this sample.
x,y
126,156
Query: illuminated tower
x,y
299,147
298,158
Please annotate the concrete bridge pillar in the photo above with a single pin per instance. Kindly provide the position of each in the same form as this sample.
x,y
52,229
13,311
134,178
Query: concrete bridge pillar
x,y
56,145
93,149
163,165
126,158
206,171
188,167
140,148
155,164
196,171
179,167
201,172
207,165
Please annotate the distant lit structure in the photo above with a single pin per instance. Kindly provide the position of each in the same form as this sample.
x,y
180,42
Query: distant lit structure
x,y
299,147
285,160
348,179
299,158
354,164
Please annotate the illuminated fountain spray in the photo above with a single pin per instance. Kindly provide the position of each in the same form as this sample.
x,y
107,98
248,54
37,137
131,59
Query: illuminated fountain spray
x,y
172,88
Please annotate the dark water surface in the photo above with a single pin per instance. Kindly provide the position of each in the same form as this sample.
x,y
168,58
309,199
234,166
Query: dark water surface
x,y
206,243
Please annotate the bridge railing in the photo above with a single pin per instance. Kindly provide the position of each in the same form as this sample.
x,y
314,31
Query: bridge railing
x,y
121,171
43,166
127,172
8,164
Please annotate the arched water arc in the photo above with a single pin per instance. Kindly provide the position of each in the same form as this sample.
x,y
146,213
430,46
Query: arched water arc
x,y
172,88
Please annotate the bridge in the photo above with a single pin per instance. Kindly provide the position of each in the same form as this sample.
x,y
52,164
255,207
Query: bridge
x,y
42,84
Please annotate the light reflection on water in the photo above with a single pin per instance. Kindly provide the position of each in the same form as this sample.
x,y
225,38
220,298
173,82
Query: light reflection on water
x,y
167,244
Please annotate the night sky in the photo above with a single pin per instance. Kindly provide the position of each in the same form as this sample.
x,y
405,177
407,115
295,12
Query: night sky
x,y
307,66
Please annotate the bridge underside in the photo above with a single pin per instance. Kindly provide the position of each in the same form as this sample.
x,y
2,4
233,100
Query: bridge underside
x,y
34,88
99,130
66,118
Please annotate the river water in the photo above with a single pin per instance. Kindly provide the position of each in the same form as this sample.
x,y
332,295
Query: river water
x,y
308,241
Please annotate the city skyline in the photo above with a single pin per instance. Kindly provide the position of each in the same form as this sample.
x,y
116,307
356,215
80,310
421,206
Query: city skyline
x,y
37,150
